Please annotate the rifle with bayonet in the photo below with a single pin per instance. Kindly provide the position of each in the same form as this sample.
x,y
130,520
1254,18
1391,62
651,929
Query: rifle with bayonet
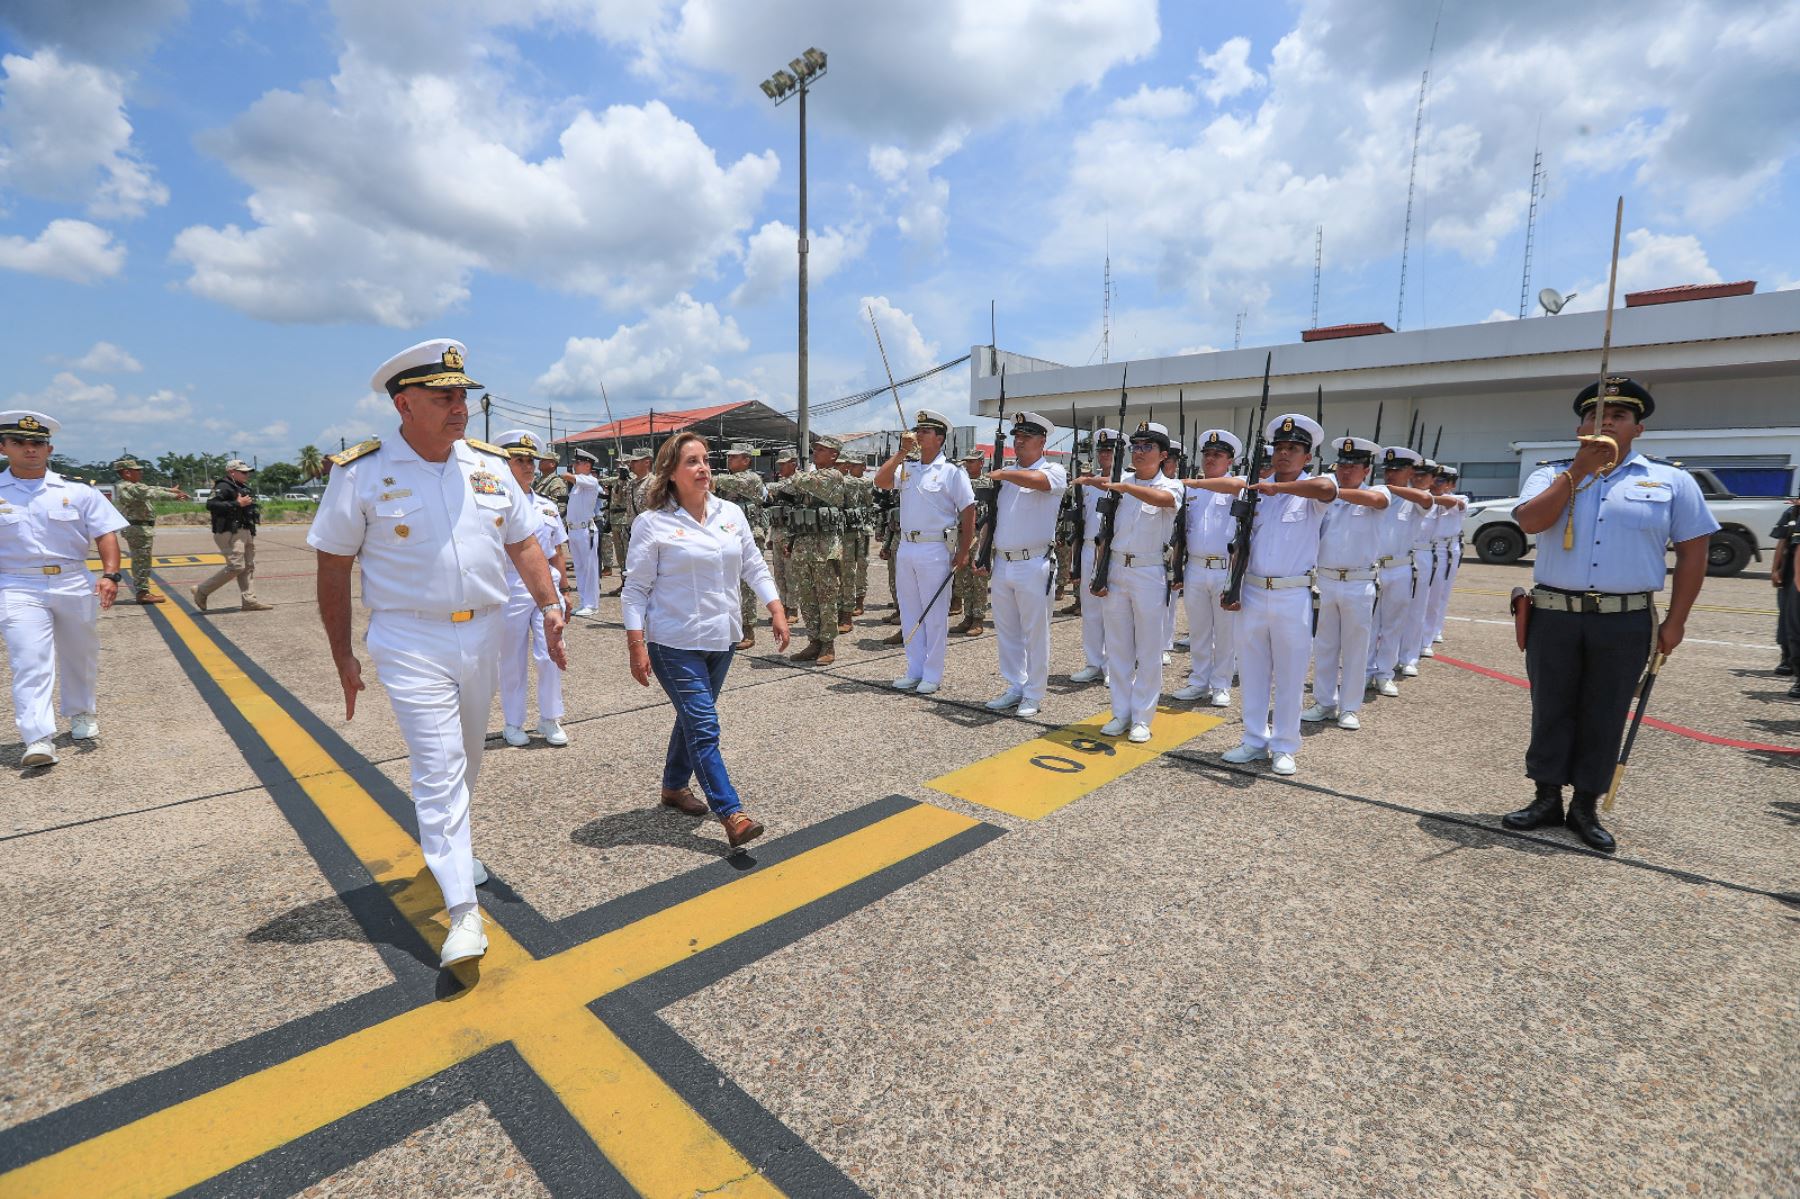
x,y
1175,568
1080,532
984,536
1108,508
1244,507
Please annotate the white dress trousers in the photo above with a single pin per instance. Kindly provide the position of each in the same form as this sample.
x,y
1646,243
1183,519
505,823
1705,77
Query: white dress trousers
x,y
1341,646
1019,597
1274,641
440,677
1137,632
584,552
522,644
51,626
919,567
1093,612
1212,653
1416,637
1391,610
1451,558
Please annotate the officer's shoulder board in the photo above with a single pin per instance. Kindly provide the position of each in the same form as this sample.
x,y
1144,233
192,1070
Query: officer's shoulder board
x,y
361,449
1660,461
485,447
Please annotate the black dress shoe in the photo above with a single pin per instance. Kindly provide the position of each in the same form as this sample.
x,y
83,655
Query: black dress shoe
x,y
1585,824
1794,691
1546,809
1785,669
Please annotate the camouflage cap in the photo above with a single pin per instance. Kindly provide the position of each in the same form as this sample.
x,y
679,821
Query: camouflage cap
x,y
639,455
786,455
744,448
128,464
238,464
826,441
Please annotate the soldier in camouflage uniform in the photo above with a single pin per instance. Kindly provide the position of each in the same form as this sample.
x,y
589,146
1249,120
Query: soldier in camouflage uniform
x,y
859,516
551,485
133,497
745,488
816,511
781,529
970,589
623,502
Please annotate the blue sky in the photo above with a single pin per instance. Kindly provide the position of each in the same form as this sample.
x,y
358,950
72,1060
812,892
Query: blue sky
x,y
217,216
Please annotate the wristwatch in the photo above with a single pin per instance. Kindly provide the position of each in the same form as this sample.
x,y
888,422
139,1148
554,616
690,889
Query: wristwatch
x,y
114,576
542,608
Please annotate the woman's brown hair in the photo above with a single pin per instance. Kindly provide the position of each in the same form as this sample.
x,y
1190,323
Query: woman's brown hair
x,y
662,475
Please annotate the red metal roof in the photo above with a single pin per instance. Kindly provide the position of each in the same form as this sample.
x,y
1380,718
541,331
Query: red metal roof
x,y
1326,333
1688,291
639,426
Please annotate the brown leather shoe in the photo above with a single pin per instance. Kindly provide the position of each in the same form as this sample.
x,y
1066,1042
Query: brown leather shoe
x,y
685,802
747,642
892,617
845,626
826,657
150,597
956,607
858,610
811,652
740,829
973,630
251,605
1073,609
898,638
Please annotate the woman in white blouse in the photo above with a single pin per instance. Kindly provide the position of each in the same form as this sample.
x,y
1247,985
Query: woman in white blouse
x,y
689,550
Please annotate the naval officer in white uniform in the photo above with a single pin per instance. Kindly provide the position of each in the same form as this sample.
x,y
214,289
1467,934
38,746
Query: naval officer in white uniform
x,y
1349,543
1093,615
1212,656
937,512
1274,629
522,640
433,519
1024,564
1394,569
584,532
1137,629
49,604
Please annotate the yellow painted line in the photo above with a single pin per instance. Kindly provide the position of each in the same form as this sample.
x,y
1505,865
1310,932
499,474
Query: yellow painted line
x,y
649,1133
1035,779
169,560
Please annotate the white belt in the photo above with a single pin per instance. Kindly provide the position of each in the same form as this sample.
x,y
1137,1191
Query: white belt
x,y
1387,560
462,616
925,535
1210,561
1345,574
1262,584
1443,542
1025,555
1154,559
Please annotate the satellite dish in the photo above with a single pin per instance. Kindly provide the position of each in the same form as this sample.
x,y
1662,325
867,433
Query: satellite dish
x,y
1552,301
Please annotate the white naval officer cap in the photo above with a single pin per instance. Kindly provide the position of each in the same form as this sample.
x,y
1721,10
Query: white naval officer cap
x,y
1221,439
434,363
27,425
1399,455
1152,431
523,443
1105,439
1296,428
929,419
1031,423
1355,450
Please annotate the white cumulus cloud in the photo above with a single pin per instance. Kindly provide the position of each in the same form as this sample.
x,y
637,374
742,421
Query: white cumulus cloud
x,y
670,355
1228,70
772,262
103,357
64,136
67,249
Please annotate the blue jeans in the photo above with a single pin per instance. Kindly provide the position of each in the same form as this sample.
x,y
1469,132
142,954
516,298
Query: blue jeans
x,y
692,678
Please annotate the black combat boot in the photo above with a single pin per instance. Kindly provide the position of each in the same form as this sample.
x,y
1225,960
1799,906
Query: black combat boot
x,y
1583,822
1545,809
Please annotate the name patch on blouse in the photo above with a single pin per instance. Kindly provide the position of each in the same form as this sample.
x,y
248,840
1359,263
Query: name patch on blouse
x,y
484,483
395,495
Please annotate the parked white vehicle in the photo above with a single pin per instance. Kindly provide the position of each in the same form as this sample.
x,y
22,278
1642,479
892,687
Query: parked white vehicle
x,y
1743,534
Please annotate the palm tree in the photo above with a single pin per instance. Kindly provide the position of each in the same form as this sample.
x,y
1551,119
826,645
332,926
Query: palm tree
x,y
312,463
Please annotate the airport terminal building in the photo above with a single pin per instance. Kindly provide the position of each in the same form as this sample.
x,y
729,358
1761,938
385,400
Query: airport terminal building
x,y
1722,361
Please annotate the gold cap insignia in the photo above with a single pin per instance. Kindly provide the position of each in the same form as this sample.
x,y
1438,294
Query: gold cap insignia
x,y
401,530
1348,445
29,422
1287,426
453,359
389,481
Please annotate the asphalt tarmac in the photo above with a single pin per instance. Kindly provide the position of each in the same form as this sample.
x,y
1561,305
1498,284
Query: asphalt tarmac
x,y
1179,978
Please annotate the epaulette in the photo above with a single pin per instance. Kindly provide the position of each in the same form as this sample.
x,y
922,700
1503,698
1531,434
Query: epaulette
x,y
361,449
1659,461
485,447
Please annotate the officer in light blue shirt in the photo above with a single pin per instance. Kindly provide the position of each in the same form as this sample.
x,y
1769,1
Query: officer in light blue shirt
x,y
1603,523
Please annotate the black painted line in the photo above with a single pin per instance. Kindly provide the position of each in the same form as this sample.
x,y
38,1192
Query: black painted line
x,y
131,1101
562,1155
161,807
615,914
775,1150
401,947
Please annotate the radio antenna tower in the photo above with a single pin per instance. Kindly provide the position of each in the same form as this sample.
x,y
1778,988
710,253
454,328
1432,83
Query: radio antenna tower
x,y
1318,262
1106,302
1237,338
1413,171
1537,176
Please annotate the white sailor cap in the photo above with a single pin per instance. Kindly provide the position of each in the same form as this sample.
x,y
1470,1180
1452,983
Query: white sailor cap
x,y
1105,439
1399,455
1221,439
584,456
1296,428
434,363
1355,450
1152,431
1030,423
927,419
28,425
523,443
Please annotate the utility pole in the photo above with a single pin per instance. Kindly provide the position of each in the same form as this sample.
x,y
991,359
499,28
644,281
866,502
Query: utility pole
x,y
778,87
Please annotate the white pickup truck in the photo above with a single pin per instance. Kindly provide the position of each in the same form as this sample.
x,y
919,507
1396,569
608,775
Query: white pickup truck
x,y
1743,534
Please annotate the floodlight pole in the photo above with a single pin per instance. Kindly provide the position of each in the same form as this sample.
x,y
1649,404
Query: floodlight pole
x,y
801,384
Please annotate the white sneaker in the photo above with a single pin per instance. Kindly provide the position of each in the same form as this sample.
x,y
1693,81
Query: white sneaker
x,y
1166,657
1316,713
584,611
1349,721
552,731
1387,687
905,683
925,688
1437,639
1221,699
1139,734
1025,708
1427,653
481,874
1191,692
1113,727
39,753
83,726
515,735
1087,674
1283,764
1006,699
1409,671
466,940
1240,754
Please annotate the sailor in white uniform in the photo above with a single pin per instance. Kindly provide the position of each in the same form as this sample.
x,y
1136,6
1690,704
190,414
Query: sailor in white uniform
x,y
1394,564
937,526
433,519
1212,655
1137,631
1024,564
584,530
1093,615
1274,629
49,604
1348,546
1448,540
1413,638
522,640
